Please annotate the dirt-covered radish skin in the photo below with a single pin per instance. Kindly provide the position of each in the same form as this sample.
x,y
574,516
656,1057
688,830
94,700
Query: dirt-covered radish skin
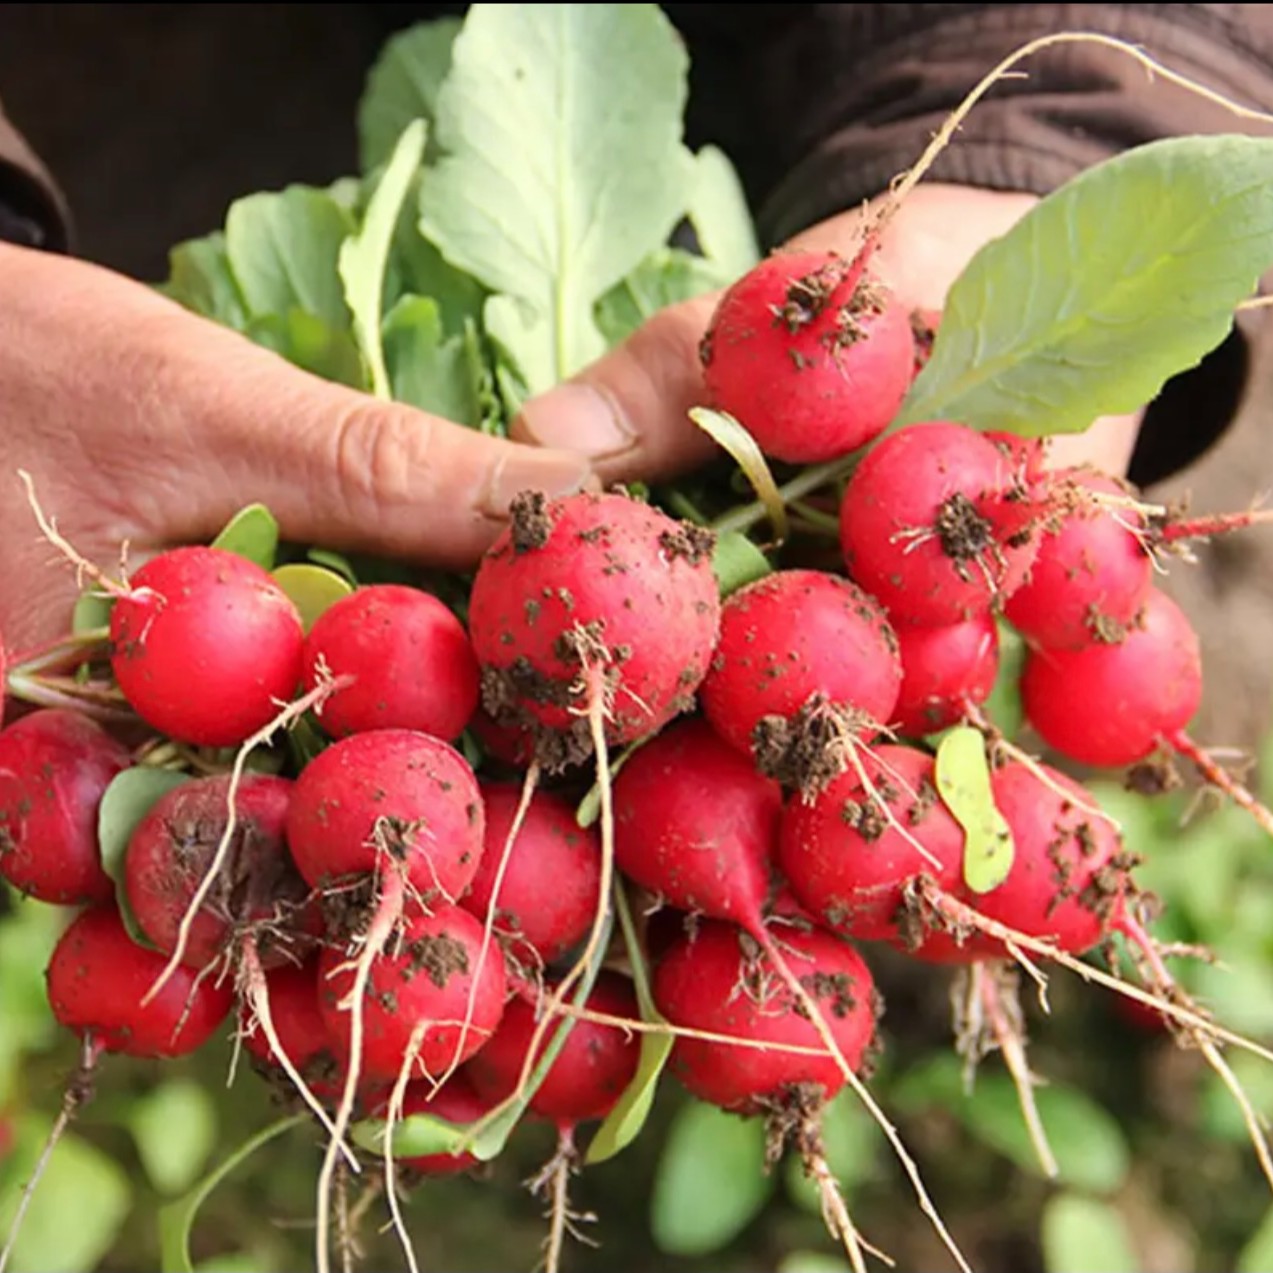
x,y
206,646
811,353
945,671
1092,573
551,884
55,766
592,586
716,979
591,1071
257,892
696,824
935,525
411,661
98,977
428,978
849,852
1114,703
388,797
292,993
790,638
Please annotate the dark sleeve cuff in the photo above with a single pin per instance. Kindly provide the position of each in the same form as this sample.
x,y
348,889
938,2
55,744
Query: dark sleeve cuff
x,y
32,209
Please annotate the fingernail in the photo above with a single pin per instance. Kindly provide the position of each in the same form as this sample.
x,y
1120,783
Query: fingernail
x,y
553,472
576,417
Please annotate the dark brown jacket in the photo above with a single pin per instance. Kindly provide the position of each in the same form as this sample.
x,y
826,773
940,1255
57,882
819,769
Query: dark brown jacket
x,y
821,105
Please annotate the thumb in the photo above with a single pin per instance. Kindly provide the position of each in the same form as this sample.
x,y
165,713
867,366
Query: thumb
x,y
628,411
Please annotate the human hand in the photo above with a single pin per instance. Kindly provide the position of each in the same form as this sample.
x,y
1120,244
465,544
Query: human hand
x,y
141,423
643,390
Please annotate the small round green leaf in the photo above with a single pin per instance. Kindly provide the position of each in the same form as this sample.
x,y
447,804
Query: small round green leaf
x,y
963,782
1082,1233
737,562
175,1129
313,589
252,533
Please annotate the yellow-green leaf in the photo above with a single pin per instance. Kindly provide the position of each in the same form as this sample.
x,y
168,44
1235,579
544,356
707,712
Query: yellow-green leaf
x,y
313,589
963,782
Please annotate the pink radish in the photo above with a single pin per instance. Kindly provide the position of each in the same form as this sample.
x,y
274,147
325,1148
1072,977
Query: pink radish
x,y
945,671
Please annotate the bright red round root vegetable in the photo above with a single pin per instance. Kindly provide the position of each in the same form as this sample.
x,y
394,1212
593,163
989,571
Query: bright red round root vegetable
x,y
389,798
98,976
292,994
590,1072
55,766
696,824
849,852
811,353
256,894
934,524
411,660
1115,704
206,646
945,670
552,880
789,638
717,980
592,591
454,1102
424,980
1092,573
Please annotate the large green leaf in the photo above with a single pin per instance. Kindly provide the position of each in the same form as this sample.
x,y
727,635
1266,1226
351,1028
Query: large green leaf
x,y
1120,279
312,344
200,278
718,212
666,276
428,369
1083,1233
175,1128
562,164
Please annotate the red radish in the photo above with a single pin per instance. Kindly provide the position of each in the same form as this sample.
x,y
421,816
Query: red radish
x,y
427,981
945,671
1069,878
1028,456
586,590
411,660
55,766
1115,704
934,526
292,990
794,635
454,1102
810,353
717,980
1092,573
98,977
696,824
512,745
590,1072
551,882
206,646
257,893
849,852
391,795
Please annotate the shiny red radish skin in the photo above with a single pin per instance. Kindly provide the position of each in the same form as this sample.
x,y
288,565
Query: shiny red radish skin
x,y
794,634
292,993
552,880
811,353
206,646
98,976
945,670
716,980
55,766
1115,704
411,661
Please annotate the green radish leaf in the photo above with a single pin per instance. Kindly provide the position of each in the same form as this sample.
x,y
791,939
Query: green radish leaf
x,y
413,1137
312,344
200,278
92,612
417,268
235,1262
963,782
125,802
78,1210
403,86
252,533
333,561
589,808
737,562
666,276
313,589
283,248
719,214
349,193
528,196
1082,1233
813,1262
304,741
364,256
28,934
1257,1255
1120,279
437,373
175,1129
732,437
177,1218
710,1183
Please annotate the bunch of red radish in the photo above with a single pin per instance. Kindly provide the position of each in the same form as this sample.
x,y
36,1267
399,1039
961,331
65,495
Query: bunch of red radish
x,y
391,923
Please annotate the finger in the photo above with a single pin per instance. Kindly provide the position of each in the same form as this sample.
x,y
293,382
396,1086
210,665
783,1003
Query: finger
x,y
629,411
347,471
